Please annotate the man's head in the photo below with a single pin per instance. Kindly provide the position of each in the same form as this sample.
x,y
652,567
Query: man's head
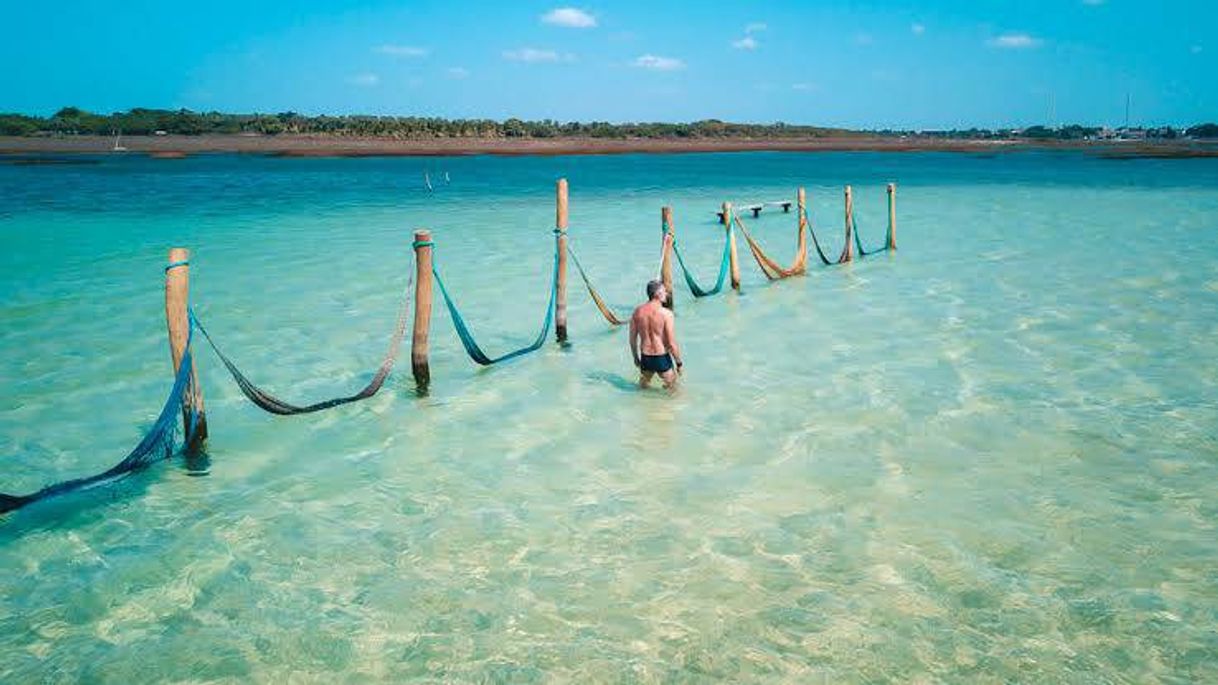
x,y
656,290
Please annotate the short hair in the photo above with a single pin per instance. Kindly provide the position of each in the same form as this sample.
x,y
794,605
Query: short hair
x,y
653,287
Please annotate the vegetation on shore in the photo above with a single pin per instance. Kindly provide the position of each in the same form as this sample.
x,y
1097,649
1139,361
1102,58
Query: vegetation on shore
x,y
74,121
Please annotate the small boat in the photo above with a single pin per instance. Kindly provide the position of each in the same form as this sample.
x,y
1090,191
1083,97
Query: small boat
x,y
427,180
118,139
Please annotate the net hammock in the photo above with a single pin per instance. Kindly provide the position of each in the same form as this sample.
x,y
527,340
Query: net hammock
x,y
158,444
472,348
694,286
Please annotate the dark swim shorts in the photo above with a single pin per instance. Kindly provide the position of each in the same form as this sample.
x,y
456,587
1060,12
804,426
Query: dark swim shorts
x,y
659,363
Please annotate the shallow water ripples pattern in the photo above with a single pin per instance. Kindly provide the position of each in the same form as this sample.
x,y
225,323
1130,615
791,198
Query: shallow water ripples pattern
x,y
988,457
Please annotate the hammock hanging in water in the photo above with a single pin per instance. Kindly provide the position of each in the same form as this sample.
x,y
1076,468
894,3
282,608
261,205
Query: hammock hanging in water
x,y
158,443
694,287
606,312
268,402
859,243
772,269
471,346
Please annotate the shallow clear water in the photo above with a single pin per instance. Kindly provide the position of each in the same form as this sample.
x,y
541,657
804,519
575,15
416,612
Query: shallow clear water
x,y
989,457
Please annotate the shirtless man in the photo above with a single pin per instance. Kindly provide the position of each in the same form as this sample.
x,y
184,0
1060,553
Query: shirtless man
x,y
652,330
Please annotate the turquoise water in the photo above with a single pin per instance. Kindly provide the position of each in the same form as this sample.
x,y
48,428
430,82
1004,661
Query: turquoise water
x,y
989,457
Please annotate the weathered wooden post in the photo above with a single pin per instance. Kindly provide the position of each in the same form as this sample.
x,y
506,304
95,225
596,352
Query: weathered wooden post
x,y
892,216
666,253
731,244
801,204
422,311
177,301
560,299
848,251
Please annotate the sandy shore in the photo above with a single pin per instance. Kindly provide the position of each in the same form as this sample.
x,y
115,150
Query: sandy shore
x,y
328,146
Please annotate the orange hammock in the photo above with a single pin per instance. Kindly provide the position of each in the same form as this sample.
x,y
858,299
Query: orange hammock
x,y
772,269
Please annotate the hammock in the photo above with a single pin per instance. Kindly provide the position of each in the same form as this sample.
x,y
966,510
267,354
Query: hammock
x,y
694,287
268,402
772,269
612,318
467,339
859,243
158,443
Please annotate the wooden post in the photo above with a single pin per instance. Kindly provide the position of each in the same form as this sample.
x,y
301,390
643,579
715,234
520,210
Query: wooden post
x,y
892,216
177,300
666,253
422,311
731,242
848,252
801,210
560,299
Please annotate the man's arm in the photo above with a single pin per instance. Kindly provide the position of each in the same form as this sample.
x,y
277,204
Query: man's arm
x,y
634,341
670,338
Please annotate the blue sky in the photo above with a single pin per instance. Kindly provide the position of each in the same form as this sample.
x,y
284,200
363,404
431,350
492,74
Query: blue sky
x,y
946,63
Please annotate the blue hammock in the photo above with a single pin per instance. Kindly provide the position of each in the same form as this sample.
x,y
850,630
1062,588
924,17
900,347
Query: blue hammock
x,y
158,443
696,289
467,338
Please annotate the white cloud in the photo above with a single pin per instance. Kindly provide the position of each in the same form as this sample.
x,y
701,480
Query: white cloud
x,y
755,27
1093,3
1196,50
457,72
746,43
659,63
364,80
536,55
917,29
569,17
402,50
1015,41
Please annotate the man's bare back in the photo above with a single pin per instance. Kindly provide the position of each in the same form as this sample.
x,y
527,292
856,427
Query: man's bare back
x,y
653,339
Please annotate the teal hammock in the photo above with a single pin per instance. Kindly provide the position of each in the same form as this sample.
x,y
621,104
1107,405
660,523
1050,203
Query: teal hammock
x,y
158,443
694,287
859,243
472,348
816,243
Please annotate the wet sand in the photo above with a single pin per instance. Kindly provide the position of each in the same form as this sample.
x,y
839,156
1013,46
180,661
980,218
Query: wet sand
x,y
170,147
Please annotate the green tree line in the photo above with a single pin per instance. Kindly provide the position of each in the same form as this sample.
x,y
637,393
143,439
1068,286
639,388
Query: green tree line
x,y
140,121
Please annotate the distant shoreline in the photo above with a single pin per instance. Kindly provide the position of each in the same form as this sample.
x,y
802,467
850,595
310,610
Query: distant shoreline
x,y
177,146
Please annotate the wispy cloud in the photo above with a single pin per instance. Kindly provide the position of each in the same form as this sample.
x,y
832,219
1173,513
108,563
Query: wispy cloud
x,y
569,17
803,87
534,55
1195,50
364,80
402,50
917,29
746,43
1094,3
1015,41
658,63
864,39
457,72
